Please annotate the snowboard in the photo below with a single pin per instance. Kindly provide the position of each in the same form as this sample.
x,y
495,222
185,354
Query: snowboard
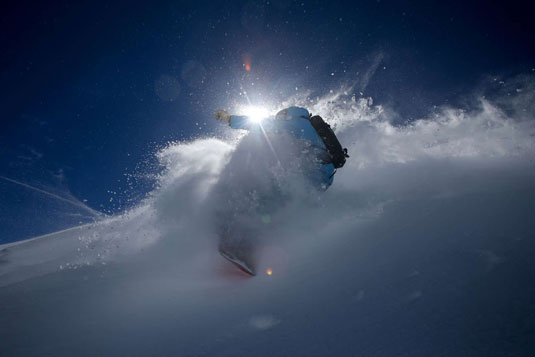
x,y
238,263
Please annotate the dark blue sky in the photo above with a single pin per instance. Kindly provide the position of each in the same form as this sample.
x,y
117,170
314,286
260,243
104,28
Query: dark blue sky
x,y
89,90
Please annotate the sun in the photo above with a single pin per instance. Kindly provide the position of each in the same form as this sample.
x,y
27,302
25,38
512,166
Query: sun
x,y
256,114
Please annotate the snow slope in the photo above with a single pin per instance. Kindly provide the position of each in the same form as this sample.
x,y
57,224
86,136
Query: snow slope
x,y
423,246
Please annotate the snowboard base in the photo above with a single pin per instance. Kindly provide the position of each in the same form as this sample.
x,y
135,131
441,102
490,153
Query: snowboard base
x,y
240,264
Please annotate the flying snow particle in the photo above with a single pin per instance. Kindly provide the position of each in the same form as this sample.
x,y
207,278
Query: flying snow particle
x,y
264,322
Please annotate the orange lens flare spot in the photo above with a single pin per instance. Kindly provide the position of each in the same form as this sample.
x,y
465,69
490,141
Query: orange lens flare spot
x,y
247,61
269,271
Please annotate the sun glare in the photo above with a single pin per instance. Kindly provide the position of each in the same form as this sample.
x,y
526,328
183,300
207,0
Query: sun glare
x,y
256,114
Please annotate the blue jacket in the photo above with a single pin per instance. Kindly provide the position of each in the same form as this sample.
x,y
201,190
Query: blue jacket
x,y
295,121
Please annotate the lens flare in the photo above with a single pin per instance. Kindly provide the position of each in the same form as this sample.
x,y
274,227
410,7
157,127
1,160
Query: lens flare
x,y
269,271
256,114
247,62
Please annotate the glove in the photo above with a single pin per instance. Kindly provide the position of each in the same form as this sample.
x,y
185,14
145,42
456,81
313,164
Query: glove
x,y
223,116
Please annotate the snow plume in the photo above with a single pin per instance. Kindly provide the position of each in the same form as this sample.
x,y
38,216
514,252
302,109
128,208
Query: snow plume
x,y
502,128
426,235
190,169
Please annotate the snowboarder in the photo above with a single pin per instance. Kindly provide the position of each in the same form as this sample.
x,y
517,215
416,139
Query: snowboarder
x,y
309,144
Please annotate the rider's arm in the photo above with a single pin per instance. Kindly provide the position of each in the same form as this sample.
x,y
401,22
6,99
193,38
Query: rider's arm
x,y
240,122
245,123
